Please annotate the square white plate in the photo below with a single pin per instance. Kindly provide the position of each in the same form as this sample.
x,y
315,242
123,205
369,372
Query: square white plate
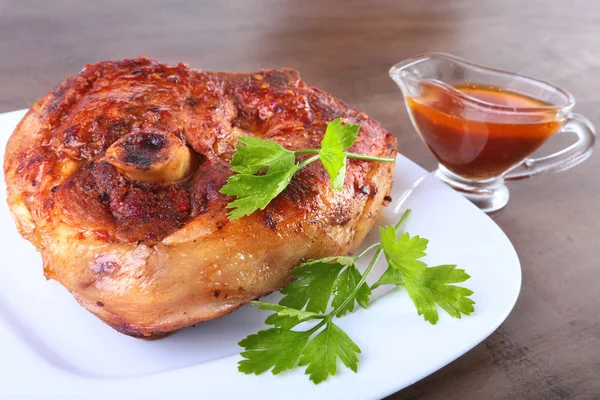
x,y
52,346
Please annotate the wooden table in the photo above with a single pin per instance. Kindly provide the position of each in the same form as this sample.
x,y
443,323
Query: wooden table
x,y
549,347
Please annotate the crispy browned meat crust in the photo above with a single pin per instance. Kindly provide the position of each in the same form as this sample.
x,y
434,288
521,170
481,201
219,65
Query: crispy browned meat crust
x,y
152,257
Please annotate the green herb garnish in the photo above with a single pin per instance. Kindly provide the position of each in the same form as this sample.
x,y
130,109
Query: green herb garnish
x,y
329,288
264,168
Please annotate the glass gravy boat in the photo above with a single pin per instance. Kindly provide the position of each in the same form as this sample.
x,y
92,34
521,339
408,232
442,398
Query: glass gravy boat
x,y
483,124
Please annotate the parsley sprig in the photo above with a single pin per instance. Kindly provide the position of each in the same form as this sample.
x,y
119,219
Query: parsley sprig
x,y
329,288
265,168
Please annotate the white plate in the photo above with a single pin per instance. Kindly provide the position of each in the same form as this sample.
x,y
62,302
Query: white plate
x,y
51,345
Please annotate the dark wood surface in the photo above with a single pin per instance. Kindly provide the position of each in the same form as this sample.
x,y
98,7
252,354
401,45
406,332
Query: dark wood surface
x,y
549,347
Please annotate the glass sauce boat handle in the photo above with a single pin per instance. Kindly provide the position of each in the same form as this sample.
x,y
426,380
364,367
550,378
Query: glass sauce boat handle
x,y
563,159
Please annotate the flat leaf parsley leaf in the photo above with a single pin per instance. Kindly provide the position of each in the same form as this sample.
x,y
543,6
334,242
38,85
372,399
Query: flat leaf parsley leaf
x,y
313,287
427,287
255,192
432,286
337,138
257,154
405,252
322,353
276,348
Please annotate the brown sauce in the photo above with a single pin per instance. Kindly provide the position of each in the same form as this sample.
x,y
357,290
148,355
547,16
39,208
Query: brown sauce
x,y
479,141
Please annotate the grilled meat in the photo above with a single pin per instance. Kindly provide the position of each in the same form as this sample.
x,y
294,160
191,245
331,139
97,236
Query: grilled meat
x,y
115,175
